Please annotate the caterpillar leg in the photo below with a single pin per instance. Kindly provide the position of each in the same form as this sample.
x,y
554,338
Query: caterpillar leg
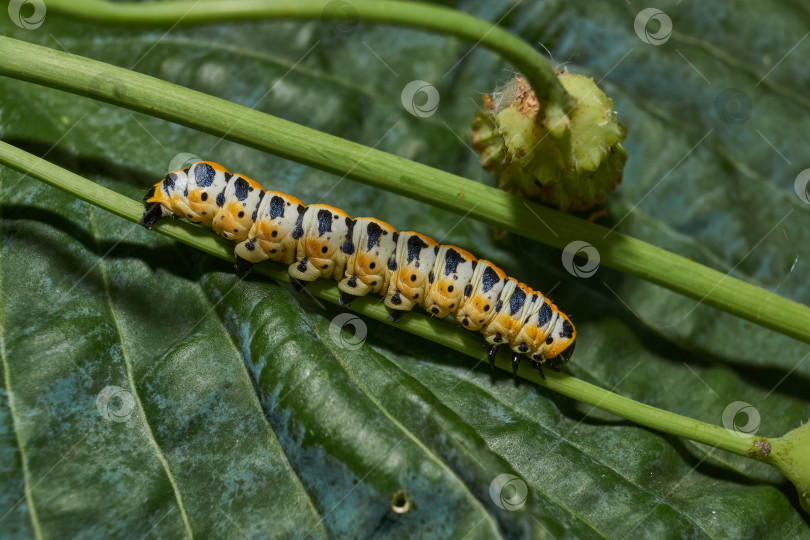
x,y
394,315
297,284
242,266
493,350
515,364
538,368
346,299
303,270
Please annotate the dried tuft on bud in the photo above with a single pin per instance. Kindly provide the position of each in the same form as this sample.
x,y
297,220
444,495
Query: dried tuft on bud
x,y
571,162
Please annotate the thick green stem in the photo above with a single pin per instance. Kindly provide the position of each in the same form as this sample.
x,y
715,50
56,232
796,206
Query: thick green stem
x,y
379,169
418,15
421,325
791,455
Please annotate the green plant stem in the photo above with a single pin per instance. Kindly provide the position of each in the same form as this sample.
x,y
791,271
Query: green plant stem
x,y
417,15
416,323
382,170
791,455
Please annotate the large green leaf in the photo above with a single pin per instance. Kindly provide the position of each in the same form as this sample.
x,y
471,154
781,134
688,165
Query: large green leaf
x,y
148,391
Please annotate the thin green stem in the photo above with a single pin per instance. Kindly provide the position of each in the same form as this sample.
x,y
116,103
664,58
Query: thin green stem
x,y
379,169
341,14
416,323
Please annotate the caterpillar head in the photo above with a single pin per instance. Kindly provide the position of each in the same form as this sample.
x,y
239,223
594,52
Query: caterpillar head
x,y
156,205
564,341
557,362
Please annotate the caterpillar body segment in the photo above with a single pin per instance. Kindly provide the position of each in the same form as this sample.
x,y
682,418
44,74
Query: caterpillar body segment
x,y
410,271
238,208
480,296
373,244
321,232
272,234
366,255
452,272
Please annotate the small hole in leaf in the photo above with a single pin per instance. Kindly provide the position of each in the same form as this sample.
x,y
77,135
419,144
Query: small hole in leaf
x,y
400,503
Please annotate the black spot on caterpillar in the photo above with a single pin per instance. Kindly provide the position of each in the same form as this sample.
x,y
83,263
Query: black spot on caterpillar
x,y
415,246
276,207
516,301
348,246
451,262
168,182
367,255
489,279
324,221
204,175
241,188
298,232
544,316
374,233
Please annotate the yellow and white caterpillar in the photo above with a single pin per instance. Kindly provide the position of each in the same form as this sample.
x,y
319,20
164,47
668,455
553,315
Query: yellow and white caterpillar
x,y
366,255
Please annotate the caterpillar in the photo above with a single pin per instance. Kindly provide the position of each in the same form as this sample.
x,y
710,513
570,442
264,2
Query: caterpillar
x,y
366,256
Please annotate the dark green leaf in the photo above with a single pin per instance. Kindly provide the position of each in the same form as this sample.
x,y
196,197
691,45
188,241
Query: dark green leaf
x,y
243,413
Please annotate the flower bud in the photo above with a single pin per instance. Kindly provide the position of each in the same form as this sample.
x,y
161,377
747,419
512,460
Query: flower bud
x,y
570,161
